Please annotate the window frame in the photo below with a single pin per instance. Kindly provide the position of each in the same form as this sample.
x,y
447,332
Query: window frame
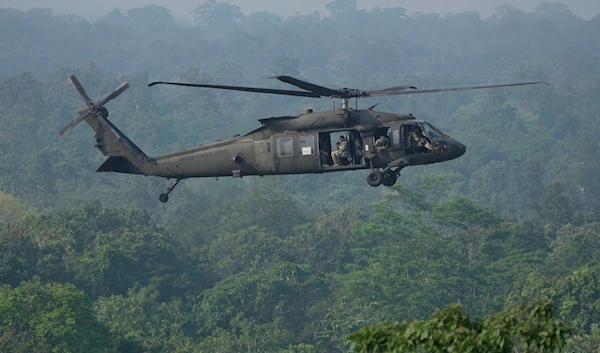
x,y
396,137
278,145
311,145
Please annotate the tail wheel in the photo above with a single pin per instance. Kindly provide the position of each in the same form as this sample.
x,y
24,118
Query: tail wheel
x,y
163,198
374,178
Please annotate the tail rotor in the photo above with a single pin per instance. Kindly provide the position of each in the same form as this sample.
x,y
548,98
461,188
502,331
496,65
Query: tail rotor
x,y
91,107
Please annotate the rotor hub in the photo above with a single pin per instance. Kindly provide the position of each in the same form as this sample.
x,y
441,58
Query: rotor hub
x,y
350,93
91,108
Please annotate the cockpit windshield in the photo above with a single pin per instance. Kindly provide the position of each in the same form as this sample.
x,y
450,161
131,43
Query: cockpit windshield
x,y
430,130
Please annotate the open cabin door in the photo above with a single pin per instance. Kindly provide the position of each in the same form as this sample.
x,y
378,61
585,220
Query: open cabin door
x,y
296,154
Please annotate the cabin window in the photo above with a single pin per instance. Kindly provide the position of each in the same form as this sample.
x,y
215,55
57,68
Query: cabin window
x,y
285,146
306,145
396,137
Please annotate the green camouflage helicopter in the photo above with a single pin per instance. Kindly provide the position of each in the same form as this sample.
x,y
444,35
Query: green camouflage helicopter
x,y
311,142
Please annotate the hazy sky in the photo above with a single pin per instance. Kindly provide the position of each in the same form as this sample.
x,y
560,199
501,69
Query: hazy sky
x,y
181,8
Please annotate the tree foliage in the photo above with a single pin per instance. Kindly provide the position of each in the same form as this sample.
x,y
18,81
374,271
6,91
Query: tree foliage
x,y
51,315
530,328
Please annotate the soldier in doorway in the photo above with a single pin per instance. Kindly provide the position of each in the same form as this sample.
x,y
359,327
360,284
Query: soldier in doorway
x,y
342,146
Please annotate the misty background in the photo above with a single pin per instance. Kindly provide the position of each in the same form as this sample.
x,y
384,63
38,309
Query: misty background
x,y
182,9
93,262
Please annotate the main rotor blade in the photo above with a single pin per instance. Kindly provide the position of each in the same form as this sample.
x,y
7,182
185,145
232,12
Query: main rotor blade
x,y
115,93
73,124
320,90
245,89
388,91
432,90
79,88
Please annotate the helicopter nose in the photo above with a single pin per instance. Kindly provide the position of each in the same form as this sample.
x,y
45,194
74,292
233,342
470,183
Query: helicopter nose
x,y
448,148
457,149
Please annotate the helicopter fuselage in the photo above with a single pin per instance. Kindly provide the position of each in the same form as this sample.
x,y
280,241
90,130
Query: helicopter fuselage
x,y
303,144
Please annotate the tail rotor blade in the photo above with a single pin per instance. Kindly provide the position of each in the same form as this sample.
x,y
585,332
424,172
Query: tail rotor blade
x,y
79,88
115,94
73,124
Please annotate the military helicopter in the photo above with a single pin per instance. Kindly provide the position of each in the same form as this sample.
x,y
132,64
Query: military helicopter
x,y
384,143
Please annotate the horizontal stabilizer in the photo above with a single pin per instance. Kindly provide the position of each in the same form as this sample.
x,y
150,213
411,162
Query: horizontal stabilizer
x,y
118,164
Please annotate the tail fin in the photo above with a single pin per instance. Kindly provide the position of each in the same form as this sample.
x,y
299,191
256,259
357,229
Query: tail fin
x,y
124,155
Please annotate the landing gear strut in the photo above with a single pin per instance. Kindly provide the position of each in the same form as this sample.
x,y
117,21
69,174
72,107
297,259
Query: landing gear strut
x,y
392,171
389,175
165,197
389,178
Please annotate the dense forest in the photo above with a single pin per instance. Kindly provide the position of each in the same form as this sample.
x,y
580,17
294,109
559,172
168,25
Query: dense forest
x,y
93,262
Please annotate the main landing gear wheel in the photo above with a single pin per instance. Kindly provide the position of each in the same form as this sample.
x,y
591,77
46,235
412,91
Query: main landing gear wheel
x,y
165,197
374,178
389,178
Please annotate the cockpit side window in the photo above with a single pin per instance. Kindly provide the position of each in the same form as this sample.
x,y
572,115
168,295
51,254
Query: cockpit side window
x,y
430,131
416,139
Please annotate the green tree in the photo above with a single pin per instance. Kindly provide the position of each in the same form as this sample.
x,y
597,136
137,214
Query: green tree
x,y
283,292
52,315
19,341
575,295
217,14
555,207
529,327
12,209
584,343
574,247
325,242
341,6
141,322
248,336
245,251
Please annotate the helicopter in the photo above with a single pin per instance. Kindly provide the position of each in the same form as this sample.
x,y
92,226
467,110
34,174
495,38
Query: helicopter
x,y
381,142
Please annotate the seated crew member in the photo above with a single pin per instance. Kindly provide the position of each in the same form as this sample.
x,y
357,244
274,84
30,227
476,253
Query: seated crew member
x,y
381,143
341,152
419,142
